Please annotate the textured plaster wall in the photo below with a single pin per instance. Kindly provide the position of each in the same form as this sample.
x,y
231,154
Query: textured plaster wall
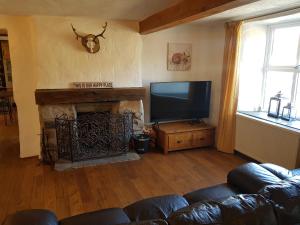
x,y
207,59
24,81
61,59
45,54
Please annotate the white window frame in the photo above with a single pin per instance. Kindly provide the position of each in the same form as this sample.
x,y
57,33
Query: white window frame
x,y
267,67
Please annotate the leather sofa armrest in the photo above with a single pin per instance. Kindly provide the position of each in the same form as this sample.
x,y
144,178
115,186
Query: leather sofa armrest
x,y
32,217
278,171
251,177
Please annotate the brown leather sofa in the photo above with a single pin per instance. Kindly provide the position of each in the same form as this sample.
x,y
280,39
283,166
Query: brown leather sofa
x,y
264,194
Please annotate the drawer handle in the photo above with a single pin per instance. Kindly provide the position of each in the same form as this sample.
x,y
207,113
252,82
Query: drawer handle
x,y
178,142
202,139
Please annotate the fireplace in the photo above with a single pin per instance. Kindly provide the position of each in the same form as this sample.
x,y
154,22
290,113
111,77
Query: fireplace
x,y
82,124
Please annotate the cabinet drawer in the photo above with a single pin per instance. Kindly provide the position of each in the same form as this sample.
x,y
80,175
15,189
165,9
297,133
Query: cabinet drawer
x,y
203,138
180,140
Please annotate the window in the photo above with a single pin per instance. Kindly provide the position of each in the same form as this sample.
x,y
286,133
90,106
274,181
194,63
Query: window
x,y
269,63
281,69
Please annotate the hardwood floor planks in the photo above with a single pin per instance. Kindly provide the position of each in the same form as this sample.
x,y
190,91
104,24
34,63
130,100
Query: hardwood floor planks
x,y
25,183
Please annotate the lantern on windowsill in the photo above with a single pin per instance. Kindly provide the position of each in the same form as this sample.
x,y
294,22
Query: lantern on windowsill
x,y
288,112
274,105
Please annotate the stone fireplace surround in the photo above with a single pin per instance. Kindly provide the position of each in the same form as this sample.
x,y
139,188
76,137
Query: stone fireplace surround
x,y
56,102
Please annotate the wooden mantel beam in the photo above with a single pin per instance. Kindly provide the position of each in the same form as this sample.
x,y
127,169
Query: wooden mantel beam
x,y
89,95
187,11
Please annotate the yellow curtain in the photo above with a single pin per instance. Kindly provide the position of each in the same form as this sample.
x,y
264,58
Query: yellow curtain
x,y
229,95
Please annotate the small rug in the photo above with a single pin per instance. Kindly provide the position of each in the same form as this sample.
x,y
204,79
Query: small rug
x,y
67,165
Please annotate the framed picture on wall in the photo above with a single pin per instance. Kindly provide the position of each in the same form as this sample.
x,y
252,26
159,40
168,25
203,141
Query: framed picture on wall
x,y
179,57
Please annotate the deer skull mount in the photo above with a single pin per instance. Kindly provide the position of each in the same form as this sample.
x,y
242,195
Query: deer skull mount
x,y
90,41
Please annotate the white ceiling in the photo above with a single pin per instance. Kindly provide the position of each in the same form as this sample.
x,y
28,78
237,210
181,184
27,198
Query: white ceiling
x,y
109,9
133,9
255,9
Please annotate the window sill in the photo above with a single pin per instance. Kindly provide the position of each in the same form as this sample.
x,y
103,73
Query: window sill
x,y
263,117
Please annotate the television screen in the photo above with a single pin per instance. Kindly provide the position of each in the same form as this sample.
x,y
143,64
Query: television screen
x,y
179,100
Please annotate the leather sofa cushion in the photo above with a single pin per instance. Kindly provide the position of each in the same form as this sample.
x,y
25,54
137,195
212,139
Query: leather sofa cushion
x,y
295,180
155,208
278,171
198,213
216,193
286,199
149,222
251,177
111,216
296,172
32,217
248,210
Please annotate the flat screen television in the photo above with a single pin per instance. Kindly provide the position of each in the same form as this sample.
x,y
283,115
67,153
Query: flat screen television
x,y
172,101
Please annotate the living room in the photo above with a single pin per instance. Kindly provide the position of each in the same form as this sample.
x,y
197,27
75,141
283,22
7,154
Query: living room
x,y
90,60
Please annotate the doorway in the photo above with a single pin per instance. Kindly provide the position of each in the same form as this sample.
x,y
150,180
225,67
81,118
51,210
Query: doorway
x,y
7,103
9,138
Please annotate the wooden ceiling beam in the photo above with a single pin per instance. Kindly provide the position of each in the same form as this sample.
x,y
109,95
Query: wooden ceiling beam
x,y
187,11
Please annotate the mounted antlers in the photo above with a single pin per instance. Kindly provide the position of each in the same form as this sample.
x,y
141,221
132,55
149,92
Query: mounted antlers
x,y
75,32
90,41
104,29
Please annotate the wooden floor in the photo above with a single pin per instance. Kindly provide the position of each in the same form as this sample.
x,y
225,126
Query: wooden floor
x,y
25,183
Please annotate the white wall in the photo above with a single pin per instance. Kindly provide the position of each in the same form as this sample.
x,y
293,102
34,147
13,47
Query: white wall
x,y
24,81
266,142
45,54
61,59
207,59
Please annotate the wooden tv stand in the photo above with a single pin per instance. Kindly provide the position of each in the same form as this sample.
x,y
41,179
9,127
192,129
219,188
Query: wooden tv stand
x,y
184,135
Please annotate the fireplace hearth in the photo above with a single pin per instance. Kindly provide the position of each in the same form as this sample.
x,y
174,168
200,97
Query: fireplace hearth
x,y
93,135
